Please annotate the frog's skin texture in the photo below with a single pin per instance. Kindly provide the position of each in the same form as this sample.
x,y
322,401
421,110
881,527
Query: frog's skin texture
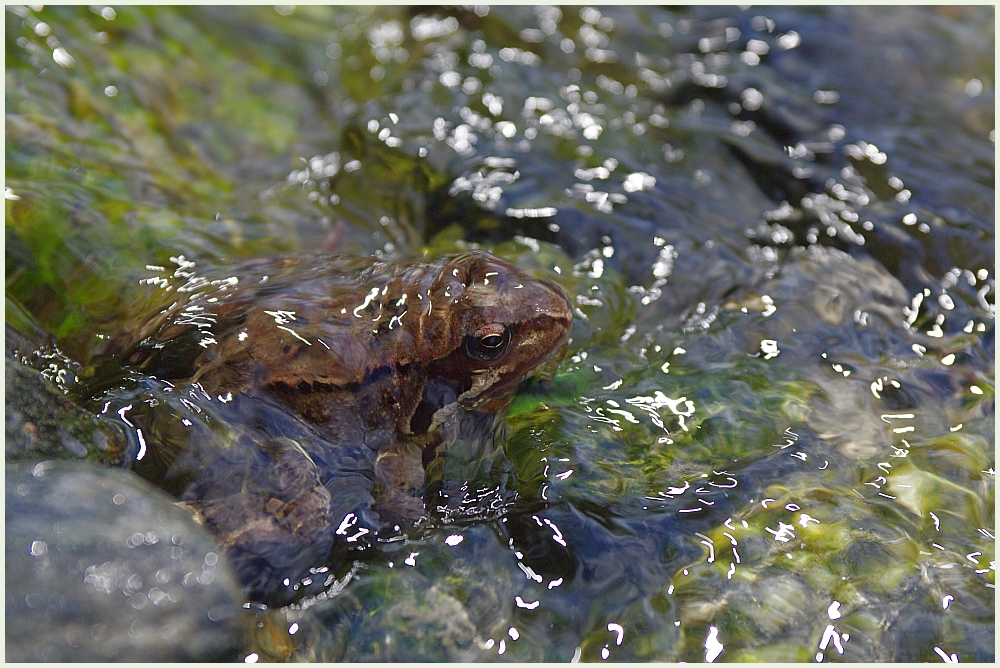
x,y
368,353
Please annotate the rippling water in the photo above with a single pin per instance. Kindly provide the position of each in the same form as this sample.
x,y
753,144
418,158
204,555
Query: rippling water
x,y
773,435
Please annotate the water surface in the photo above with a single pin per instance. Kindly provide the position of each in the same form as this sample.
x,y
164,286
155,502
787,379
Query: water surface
x,y
773,435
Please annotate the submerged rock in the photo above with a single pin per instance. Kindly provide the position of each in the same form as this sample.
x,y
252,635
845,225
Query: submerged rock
x,y
101,565
42,423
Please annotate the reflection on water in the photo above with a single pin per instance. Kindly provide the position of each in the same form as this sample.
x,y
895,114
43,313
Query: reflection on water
x,y
772,435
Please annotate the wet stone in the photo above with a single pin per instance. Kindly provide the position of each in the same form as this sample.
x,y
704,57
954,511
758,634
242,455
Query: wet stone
x,y
42,423
101,566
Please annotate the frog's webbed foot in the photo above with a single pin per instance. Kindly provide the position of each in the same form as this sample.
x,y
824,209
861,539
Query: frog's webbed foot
x,y
275,522
403,506
399,476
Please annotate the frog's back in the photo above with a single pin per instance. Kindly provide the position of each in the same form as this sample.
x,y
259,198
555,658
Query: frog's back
x,y
269,322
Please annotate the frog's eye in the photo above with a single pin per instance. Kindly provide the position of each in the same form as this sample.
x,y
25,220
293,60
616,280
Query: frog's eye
x,y
487,343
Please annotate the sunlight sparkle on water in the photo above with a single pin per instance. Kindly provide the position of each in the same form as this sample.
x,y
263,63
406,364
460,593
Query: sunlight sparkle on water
x,y
830,634
953,658
713,648
617,629
770,348
529,606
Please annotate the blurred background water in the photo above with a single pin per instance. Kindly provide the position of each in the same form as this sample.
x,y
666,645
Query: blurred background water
x,y
773,435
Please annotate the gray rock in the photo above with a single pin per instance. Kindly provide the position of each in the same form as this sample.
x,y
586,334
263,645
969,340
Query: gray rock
x,y
40,422
101,565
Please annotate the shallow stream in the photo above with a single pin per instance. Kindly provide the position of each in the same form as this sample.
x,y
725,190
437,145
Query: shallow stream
x,y
772,437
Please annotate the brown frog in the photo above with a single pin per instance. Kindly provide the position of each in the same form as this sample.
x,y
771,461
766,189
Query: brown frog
x,y
369,353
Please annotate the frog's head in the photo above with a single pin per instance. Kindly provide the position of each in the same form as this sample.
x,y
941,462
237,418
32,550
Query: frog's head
x,y
494,326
